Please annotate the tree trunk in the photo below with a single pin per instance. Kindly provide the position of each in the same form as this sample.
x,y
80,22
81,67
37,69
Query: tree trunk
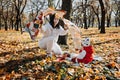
x,y
119,19
108,19
89,22
85,18
0,21
108,22
12,26
17,25
99,25
119,13
19,11
20,25
116,22
85,21
17,20
96,11
119,23
66,5
102,16
92,23
6,26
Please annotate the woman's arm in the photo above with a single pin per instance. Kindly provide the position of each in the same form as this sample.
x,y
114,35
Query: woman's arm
x,y
63,31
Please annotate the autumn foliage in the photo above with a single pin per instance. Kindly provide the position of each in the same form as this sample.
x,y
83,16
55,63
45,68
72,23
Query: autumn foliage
x,y
22,59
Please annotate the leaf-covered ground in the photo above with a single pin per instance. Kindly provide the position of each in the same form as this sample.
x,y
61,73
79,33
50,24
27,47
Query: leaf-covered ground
x,y
22,59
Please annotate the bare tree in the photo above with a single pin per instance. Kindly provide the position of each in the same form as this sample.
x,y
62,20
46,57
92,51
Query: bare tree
x,y
12,14
83,13
116,11
108,11
84,6
77,13
19,8
102,30
34,7
90,15
37,5
96,11
5,9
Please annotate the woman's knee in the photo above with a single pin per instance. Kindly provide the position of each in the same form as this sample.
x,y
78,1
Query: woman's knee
x,y
57,49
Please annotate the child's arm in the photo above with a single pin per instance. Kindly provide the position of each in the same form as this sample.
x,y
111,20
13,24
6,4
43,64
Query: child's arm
x,y
81,54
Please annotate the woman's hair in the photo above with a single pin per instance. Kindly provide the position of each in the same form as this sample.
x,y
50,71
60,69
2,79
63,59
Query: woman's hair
x,y
52,17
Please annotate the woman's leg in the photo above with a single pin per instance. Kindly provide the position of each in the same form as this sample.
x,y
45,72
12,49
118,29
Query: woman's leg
x,y
49,44
56,49
42,43
46,43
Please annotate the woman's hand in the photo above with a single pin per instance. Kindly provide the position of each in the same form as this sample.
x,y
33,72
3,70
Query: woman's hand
x,y
65,26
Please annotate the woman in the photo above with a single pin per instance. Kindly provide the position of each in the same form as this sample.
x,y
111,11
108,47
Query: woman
x,y
51,32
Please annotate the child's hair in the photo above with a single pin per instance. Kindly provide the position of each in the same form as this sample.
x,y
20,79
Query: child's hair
x,y
52,17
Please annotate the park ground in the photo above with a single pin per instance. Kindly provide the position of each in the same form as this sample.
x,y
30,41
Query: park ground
x,y
22,59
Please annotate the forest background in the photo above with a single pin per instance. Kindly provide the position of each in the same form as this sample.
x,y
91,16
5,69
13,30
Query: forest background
x,y
20,58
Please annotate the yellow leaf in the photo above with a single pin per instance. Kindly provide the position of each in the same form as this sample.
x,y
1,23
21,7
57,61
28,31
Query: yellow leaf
x,y
97,78
53,57
48,59
59,77
117,74
7,77
42,63
2,71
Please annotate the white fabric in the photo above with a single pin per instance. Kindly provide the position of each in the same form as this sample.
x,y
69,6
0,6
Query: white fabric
x,y
75,33
50,38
